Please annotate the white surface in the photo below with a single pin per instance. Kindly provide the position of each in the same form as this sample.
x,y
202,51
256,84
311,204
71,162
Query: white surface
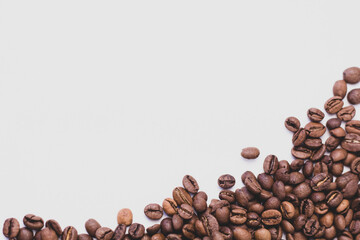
x,y
107,104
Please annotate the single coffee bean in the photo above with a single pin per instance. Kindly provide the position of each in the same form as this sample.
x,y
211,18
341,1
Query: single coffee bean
x,y
226,232
301,152
296,178
156,236
153,211
170,206
299,222
177,222
270,164
287,226
302,190
69,233
54,225
91,226
345,235
352,75
354,227
11,228
243,196
338,132
266,181
256,207
150,230
262,234
307,207
125,216
327,219
299,137
339,222
318,154
315,129
355,166
120,230
320,182
338,154
271,217
351,142
340,88
346,113
186,211
292,124
320,167
334,198
84,236
343,206
251,183
226,181
313,143
227,195
210,223
278,190
354,96
136,230
333,123
172,236
37,235
48,234
315,115
180,195
250,152
200,205
33,222
166,226
331,143
311,227
25,234
188,231
190,184
276,233
287,210
272,203
297,164
253,220
353,126
333,105
337,168
241,234
238,216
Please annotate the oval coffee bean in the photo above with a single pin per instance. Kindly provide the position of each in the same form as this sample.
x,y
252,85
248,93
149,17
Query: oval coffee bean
x,y
250,153
320,182
301,152
271,217
170,206
340,88
351,142
11,228
48,234
333,105
299,137
226,181
287,210
84,236
186,211
346,113
104,233
315,115
352,75
292,124
33,222
25,234
54,225
69,233
210,224
91,226
355,166
190,184
354,96
353,126
153,211
333,123
315,130
270,164
311,227
180,195
120,230
125,216
136,230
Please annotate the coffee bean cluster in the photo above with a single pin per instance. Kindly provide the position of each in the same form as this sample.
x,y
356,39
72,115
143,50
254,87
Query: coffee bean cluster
x,y
315,196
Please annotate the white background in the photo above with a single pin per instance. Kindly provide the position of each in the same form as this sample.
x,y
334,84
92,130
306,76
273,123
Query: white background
x,y
108,104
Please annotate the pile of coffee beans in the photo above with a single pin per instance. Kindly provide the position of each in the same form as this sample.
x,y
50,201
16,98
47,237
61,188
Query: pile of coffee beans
x,y
315,196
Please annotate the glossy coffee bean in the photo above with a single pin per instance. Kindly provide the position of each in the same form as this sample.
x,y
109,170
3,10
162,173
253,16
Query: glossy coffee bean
x,y
352,75
238,216
340,88
33,222
11,228
180,195
125,216
354,96
320,182
353,126
190,184
69,233
250,152
136,231
153,211
226,181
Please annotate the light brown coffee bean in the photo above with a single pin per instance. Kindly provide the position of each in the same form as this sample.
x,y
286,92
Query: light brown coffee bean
x,y
340,88
333,104
352,75
250,152
180,195
125,216
170,206
315,115
346,113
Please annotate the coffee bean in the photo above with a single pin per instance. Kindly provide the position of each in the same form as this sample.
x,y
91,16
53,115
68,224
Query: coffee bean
x,y
25,234
188,231
287,210
173,236
311,227
119,232
241,234
150,230
333,104
354,96
136,230
302,190
238,216
346,113
104,233
262,234
227,195
278,189
353,126
11,228
266,181
313,143
48,234
320,182
272,203
54,225
226,233
355,227
226,181
352,75
315,129
186,211
339,222
307,207
331,143
292,124
338,132
276,233
91,226
125,216
340,88
251,183
301,152
318,154
315,115
271,217
156,236
170,206
299,137
355,166
250,153
253,220
190,184
153,211
180,195
351,142
270,164
84,236
333,123
210,223
33,222
69,233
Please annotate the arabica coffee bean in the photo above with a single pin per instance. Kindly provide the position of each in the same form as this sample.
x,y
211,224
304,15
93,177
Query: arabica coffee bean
x,y
241,234
299,137
226,181
153,211
25,234
54,225
180,195
346,113
84,236
262,234
333,123
69,233
33,222
351,142
352,75
170,206
292,124
125,216
315,114
250,153
136,230
186,211
271,164
333,104
104,233
340,88
120,230
11,228
353,126
48,234
190,184
271,217
354,96
91,226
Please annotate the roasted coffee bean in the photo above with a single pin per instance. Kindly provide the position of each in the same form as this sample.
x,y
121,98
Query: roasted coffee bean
x,y
327,220
352,75
355,166
353,126
272,203
299,222
84,236
270,164
238,216
276,233
253,220
11,228
315,129
91,226
287,210
48,234
354,96
287,227
318,154
338,132
54,225
278,190
243,196
172,236
120,230
265,181
333,104
209,223
25,234
354,227
351,142
186,211
337,169
317,197
343,206
346,113
331,143
156,236
227,195
297,164
296,178
313,143
199,205
292,124
262,234
301,152
271,217
125,216
226,181
33,222
311,227
69,233
180,195
226,232
315,115
302,190
320,182
190,184
136,230
37,235
241,234
189,231
348,217
308,169
177,222
250,152
170,206
338,154
333,123
307,207
299,137
256,207
340,88
153,211
345,235
339,222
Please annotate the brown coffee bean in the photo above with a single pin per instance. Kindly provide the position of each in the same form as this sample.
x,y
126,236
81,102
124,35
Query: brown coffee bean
x,y
292,124
276,233
271,217
333,123
353,126
270,164
209,223
120,230
331,143
272,203
313,143
69,233
262,234
227,195
91,226
278,190
170,206
253,220
301,152
238,216
180,195
84,236
190,184
156,236
351,142
150,230
311,227
33,222
251,183
296,178
343,206
307,207
355,166
125,216
241,234
338,132
287,227
315,129
338,154
177,222
54,225
153,211
265,180
352,75
302,190
287,210
189,231
337,168
243,196
48,234
354,96
340,88
136,231
315,115
226,181
250,152
339,222
346,113
327,219
318,154
320,182
200,205
186,211
299,137
333,104
25,234
355,227
11,228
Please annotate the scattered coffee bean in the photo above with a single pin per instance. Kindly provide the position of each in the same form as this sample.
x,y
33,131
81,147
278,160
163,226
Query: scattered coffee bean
x,y
190,184
292,124
250,152
340,88
352,75
33,222
104,233
11,228
92,226
226,181
125,216
69,233
153,211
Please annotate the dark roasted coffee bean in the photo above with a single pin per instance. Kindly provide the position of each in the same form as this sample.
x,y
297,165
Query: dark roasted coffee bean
x,y
199,205
283,175
48,234
290,197
343,206
136,230
156,236
272,203
25,234
345,235
287,210
153,211
333,123
190,184
276,233
170,206
91,226
354,96
226,232
338,132
353,126
271,217
352,75
180,195
318,154
227,195
226,181
340,88
172,236
311,227
69,233
354,227
331,143
299,137
287,227
317,197
256,207
37,235
346,113
307,207
337,168
250,153
54,225
84,236
348,217
333,104
338,154
302,190
243,196
327,219
11,228
185,211
278,190
125,216
238,216
301,152
296,178
339,222
355,166
33,222
292,124
297,164
313,143
120,230
320,182
320,167
265,180
253,220
270,164
150,230
351,142
315,115
299,222
308,169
